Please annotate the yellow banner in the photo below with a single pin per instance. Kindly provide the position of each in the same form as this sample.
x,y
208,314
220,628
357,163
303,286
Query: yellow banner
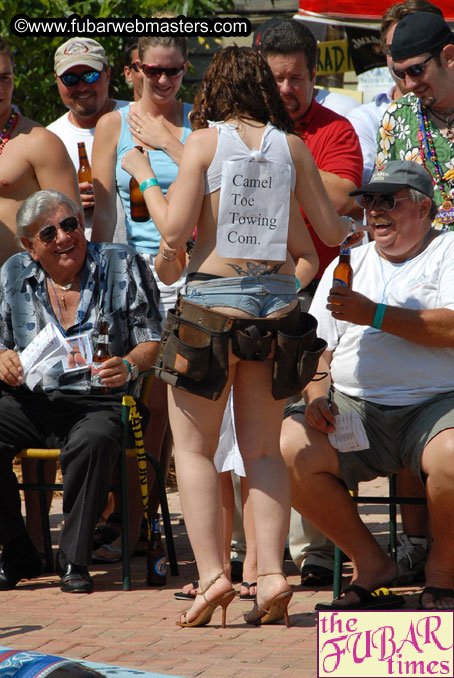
x,y
333,57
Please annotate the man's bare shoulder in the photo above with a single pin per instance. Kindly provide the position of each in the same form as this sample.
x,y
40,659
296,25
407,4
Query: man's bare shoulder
x,y
31,137
26,125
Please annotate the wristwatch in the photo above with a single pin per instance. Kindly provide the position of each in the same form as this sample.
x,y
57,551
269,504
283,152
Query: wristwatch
x,y
133,370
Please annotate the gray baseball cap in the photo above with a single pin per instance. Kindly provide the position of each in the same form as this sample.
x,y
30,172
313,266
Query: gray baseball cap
x,y
398,174
79,52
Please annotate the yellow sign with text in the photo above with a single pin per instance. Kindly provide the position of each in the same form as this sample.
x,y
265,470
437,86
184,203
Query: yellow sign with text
x,y
333,57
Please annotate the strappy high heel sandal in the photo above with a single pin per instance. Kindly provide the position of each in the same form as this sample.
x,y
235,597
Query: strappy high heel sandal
x,y
277,608
204,616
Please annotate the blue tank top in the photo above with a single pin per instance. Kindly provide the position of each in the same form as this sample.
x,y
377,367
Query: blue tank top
x,y
144,236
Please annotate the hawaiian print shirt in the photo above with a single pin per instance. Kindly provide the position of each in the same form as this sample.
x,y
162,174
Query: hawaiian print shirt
x,y
397,139
116,286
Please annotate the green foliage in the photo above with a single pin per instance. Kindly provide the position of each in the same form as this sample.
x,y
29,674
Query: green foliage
x,y
36,92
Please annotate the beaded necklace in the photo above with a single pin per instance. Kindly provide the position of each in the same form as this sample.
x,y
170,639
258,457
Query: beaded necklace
x,y
8,129
425,135
443,180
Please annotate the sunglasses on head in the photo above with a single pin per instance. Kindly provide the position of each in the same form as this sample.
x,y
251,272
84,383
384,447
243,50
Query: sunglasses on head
x,y
48,233
385,202
71,79
414,71
156,71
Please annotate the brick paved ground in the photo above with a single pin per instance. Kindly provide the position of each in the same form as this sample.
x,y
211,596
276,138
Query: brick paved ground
x,y
137,629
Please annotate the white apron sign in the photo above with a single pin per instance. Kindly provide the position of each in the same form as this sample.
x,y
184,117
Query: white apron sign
x,y
253,210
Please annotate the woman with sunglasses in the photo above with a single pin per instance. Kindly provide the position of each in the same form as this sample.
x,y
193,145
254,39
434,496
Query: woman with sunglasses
x,y
159,123
251,128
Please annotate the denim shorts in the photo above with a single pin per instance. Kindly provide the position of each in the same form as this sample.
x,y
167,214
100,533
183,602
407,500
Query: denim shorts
x,y
257,295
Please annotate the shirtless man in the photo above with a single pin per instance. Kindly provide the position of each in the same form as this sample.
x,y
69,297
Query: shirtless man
x,y
32,158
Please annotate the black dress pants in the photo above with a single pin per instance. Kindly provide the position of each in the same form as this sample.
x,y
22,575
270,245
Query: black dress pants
x,y
87,428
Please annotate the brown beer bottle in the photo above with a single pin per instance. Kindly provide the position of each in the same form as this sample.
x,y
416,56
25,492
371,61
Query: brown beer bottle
x,y
100,355
156,556
139,211
84,171
343,273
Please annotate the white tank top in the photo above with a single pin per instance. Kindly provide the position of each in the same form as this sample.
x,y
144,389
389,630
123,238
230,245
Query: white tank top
x,y
274,148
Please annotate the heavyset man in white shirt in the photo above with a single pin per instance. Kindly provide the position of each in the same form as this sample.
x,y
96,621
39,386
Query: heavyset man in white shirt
x,y
391,360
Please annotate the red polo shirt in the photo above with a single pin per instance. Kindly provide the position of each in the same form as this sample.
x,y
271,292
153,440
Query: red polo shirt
x,y
334,145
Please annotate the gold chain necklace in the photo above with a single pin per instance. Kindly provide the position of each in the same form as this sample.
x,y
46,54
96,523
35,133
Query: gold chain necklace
x,y
65,289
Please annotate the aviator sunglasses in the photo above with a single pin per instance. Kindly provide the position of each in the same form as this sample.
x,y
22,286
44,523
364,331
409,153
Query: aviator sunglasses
x,y
414,71
48,233
385,202
156,71
71,79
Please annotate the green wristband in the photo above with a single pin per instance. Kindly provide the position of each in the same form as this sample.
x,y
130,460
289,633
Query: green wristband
x,y
378,317
147,183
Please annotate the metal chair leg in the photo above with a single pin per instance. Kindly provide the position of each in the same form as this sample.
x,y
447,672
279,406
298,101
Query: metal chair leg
x,y
45,523
337,580
170,546
392,518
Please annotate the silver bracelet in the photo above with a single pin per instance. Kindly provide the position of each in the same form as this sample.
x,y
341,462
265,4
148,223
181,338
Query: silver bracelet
x,y
168,258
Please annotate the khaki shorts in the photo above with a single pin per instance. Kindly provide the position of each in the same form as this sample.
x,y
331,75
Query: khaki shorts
x,y
397,435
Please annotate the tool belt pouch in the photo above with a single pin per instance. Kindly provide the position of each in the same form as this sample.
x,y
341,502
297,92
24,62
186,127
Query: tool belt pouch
x,y
296,357
252,343
194,356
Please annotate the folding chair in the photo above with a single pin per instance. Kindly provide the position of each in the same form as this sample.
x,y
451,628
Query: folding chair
x,y
42,487
391,500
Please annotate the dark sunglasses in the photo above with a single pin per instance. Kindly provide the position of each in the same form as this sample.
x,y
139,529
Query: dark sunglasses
x,y
414,71
385,202
156,71
71,79
134,67
48,233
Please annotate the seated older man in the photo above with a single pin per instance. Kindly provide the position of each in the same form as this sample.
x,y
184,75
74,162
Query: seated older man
x,y
390,357
64,281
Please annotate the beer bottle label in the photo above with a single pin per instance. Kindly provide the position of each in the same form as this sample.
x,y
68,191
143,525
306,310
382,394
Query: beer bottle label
x,y
337,282
95,378
160,567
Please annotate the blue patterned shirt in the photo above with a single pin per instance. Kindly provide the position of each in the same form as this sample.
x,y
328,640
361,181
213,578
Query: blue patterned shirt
x,y
116,286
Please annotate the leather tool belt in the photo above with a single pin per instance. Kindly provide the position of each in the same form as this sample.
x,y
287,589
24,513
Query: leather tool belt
x,y
194,349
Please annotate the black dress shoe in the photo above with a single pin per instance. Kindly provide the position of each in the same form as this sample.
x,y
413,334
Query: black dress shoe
x,y
74,578
20,560
314,576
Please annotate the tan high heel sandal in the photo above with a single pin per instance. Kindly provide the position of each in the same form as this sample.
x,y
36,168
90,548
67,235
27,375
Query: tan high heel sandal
x,y
277,607
204,616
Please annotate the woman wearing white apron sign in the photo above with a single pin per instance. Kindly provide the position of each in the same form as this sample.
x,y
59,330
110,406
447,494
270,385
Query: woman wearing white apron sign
x,y
240,182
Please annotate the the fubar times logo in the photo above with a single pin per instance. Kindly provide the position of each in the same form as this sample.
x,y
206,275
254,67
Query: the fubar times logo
x,y
385,644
